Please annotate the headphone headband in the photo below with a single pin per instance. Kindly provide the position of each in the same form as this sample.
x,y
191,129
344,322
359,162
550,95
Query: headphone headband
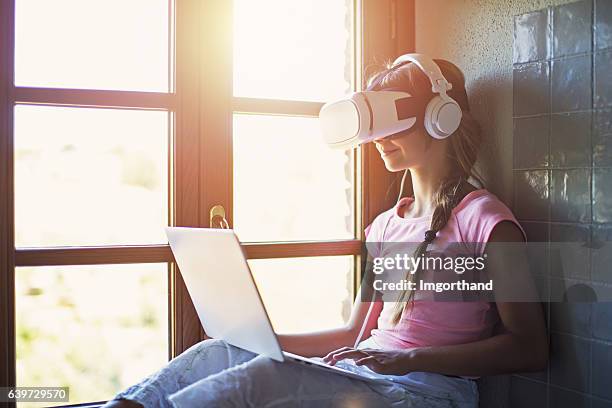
x,y
439,84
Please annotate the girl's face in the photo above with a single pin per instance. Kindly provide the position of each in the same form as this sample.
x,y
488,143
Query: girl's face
x,y
410,149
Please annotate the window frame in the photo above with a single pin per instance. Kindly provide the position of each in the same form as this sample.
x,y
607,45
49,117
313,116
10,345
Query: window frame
x,y
202,108
7,253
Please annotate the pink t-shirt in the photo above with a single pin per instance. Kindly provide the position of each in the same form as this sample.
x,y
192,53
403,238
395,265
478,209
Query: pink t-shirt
x,y
432,323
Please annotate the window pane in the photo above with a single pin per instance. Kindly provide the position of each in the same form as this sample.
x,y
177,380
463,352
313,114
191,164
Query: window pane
x,y
305,294
97,44
293,49
90,176
95,329
288,185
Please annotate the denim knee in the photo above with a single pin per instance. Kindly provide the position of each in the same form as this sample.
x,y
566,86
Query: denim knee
x,y
206,358
199,361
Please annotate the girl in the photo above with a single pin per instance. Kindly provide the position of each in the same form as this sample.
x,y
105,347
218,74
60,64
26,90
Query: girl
x,y
432,350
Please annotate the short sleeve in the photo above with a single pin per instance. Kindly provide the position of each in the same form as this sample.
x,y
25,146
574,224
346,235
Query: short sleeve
x,y
479,219
372,236
366,231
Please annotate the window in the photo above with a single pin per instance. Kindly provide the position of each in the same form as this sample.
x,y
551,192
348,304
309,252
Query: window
x,y
102,174
93,328
109,132
307,62
97,44
281,168
91,145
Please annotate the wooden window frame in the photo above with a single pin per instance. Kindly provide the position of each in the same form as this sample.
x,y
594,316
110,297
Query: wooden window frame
x,y
203,108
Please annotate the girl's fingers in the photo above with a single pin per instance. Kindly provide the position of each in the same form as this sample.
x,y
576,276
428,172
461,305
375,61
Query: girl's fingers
x,y
329,357
350,354
372,364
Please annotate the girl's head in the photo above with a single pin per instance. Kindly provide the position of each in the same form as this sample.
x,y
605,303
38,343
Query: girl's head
x,y
416,150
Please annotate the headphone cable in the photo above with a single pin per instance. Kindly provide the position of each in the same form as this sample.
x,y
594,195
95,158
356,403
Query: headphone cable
x,y
401,191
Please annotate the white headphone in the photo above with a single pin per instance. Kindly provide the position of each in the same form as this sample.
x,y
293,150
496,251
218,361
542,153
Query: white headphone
x,y
442,114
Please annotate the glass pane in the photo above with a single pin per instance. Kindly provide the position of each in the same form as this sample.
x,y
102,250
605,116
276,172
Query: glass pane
x,y
305,294
288,185
94,329
90,176
293,49
96,44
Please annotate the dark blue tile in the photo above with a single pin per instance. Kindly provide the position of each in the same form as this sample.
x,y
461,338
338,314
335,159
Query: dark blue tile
x,y
572,318
531,89
602,369
537,248
571,195
571,84
531,195
603,24
531,35
525,393
572,291
569,315
572,28
570,139
603,79
602,195
531,142
602,138
603,121
601,253
569,364
601,314
600,403
571,243
560,398
603,295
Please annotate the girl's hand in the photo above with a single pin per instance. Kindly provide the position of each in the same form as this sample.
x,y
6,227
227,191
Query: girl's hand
x,y
390,362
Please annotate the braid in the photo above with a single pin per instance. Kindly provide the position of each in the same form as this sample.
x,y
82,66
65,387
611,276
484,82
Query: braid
x,y
446,197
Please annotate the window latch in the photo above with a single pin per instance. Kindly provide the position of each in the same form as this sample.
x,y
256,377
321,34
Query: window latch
x,y
217,214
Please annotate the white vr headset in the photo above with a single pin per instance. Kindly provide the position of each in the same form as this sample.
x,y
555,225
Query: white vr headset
x,y
365,116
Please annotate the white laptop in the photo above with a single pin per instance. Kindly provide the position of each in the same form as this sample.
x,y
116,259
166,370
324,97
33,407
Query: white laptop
x,y
226,298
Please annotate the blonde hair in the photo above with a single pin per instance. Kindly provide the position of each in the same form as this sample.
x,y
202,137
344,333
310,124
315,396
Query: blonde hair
x,y
464,145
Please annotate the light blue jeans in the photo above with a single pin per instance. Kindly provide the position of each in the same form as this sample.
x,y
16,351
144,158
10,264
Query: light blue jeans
x,y
213,373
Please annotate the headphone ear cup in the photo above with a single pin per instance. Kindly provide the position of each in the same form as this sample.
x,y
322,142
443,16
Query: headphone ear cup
x,y
442,117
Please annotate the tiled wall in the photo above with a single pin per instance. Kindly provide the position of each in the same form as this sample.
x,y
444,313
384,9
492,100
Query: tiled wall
x,y
562,91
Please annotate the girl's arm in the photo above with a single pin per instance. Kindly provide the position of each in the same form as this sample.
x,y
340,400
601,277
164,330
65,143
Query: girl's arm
x,y
523,346
519,350
318,344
